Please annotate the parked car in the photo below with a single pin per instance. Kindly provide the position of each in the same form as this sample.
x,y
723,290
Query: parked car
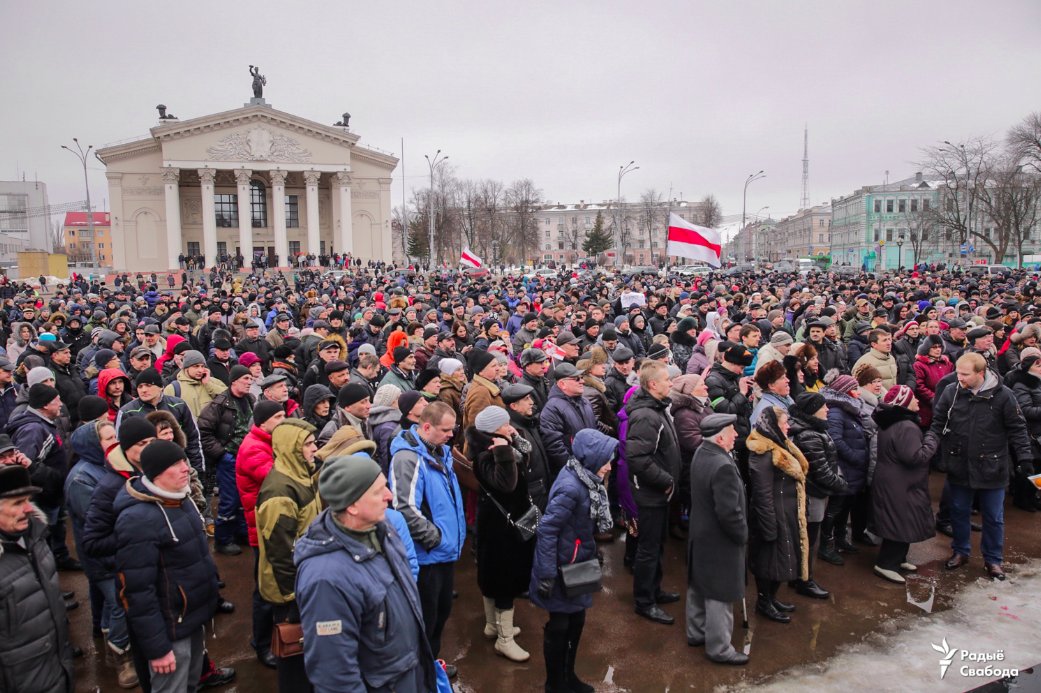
x,y
989,270
692,270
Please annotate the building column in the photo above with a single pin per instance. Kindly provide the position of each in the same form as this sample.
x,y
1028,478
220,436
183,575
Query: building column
x,y
171,185
115,191
278,206
311,182
209,216
242,176
346,236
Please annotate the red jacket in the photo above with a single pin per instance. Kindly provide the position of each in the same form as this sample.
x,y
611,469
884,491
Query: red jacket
x,y
926,374
252,464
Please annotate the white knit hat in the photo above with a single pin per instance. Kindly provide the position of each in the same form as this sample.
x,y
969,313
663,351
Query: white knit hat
x,y
491,419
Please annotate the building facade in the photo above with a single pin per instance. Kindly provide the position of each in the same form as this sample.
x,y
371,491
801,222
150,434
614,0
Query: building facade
x,y
643,230
253,182
80,247
807,233
25,219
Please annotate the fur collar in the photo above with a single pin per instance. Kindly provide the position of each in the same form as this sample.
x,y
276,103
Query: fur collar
x,y
788,459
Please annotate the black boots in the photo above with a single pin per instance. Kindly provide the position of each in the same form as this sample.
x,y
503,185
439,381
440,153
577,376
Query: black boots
x,y
828,554
765,606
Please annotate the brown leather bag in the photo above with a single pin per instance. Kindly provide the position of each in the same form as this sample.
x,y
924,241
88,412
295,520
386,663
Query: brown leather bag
x,y
464,471
287,640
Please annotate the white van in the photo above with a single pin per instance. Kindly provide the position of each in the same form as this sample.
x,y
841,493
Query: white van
x,y
805,265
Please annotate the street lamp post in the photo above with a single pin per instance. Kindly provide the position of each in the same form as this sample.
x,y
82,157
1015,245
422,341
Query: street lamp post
x,y
438,159
82,154
744,204
622,170
899,252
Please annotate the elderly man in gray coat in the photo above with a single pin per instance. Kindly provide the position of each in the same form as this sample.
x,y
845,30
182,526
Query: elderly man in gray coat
x,y
716,543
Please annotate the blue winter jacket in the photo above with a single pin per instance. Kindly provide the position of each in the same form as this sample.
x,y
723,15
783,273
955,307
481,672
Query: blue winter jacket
x,y
847,430
561,419
80,483
168,579
427,493
565,533
360,613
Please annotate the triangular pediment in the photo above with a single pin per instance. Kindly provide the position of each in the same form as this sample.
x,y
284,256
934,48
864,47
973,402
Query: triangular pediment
x,y
256,115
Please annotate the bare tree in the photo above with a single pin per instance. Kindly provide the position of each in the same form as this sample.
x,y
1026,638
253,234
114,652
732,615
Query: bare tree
x,y
648,214
1025,141
523,200
919,223
490,234
400,225
1010,200
708,212
962,170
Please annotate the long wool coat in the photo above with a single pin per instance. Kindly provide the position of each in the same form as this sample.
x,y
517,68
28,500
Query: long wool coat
x,y
900,499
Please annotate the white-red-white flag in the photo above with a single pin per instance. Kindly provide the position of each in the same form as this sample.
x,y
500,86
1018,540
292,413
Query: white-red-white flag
x,y
468,258
693,241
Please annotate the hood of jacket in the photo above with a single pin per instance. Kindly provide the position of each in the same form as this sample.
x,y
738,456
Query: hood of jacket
x,y
800,423
383,414
313,395
593,449
107,376
323,536
287,441
87,445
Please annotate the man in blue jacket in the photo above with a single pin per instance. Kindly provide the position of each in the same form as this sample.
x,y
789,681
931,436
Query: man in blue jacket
x,y
353,581
427,493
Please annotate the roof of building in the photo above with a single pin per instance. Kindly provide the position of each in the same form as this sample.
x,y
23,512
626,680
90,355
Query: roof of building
x,y
80,218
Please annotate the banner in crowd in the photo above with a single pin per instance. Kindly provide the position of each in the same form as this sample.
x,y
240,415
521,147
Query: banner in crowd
x,y
692,241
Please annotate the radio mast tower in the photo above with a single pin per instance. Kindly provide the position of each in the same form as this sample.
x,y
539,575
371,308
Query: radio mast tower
x,y
805,202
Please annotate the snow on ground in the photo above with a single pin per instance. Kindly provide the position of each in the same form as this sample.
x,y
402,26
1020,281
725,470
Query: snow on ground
x,y
985,618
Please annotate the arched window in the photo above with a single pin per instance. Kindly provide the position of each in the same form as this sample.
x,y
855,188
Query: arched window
x,y
258,204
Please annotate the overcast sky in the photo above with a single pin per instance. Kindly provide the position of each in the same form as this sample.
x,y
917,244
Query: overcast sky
x,y
699,94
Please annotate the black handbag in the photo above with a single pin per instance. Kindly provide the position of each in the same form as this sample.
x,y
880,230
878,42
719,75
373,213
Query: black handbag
x,y
581,578
525,526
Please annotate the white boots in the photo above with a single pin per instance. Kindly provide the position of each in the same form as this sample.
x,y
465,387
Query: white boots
x,y
505,644
491,631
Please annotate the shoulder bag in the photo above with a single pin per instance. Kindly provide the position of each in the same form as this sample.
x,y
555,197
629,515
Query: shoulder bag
x,y
525,526
581,578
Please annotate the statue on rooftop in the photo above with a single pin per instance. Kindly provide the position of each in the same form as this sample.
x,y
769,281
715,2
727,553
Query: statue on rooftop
x,y
259,81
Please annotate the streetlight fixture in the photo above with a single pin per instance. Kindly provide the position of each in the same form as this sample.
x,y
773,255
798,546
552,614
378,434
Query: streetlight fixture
x,y
82,154
622,170
899,252
438,159
744,204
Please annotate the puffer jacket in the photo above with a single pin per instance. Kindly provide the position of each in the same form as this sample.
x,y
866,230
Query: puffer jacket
x,y
80,483
884,363
252,464
286,505
1027,389
811,436
39,439
71,388
977,432
314,395
652,450
725,397
167,577
561,419
927,374
426,491
385,424
35,654
380,644
565,533
595,393
99,538
846,428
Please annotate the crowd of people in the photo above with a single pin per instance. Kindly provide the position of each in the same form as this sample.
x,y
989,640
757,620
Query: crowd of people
x,y
353,433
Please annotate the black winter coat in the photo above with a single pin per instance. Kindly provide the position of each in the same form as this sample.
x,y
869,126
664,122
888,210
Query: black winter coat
x,y
217,425
902,508
71,388
34,637
617,386
976,432
540,480
503,560
652,450
1027,389
810,435
718,525
560,420
725,397
167,576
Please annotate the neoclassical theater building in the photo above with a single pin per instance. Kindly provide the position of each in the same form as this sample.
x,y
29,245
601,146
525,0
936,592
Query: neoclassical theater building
x,y
253,180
